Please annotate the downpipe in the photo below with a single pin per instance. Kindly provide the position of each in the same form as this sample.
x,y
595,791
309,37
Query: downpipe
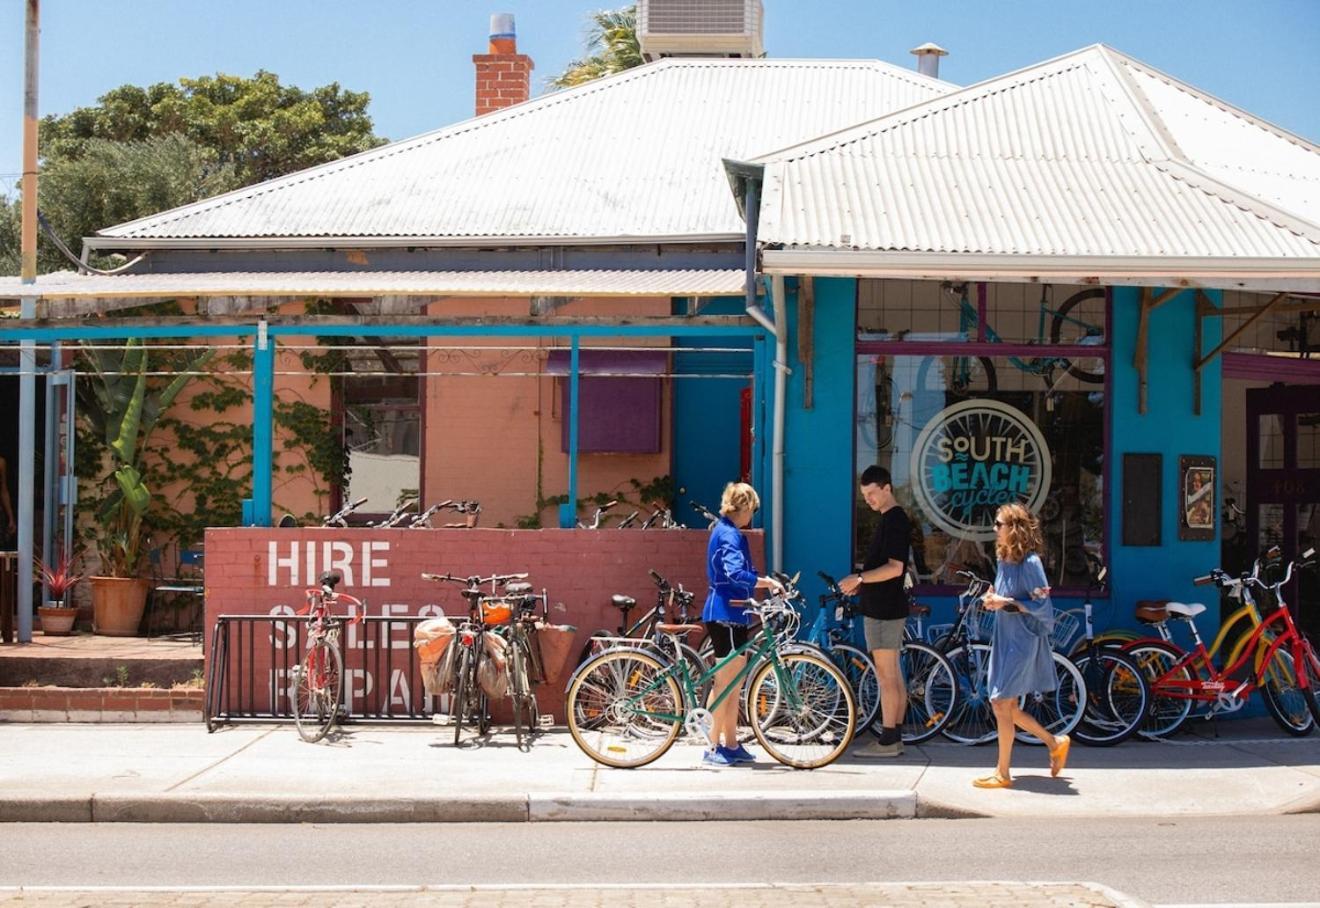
x,y
779,328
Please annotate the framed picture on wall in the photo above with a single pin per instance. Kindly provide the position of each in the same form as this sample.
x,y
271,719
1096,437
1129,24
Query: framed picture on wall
x,y
1197,502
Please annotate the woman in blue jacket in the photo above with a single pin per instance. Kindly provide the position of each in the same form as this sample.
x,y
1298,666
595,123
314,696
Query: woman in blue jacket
x,y
732,578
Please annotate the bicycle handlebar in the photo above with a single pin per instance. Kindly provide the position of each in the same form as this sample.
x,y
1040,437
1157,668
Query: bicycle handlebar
x,y
343,512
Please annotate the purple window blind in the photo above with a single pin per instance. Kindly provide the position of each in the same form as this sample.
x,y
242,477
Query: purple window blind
x,y
618,415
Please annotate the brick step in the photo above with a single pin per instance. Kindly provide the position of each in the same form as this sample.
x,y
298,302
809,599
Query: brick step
x,y
100,704
97,671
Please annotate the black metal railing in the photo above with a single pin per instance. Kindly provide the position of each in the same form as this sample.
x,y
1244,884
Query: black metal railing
x,y
252,661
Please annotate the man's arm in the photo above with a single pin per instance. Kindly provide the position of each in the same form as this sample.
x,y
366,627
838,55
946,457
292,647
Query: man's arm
x,y
4,496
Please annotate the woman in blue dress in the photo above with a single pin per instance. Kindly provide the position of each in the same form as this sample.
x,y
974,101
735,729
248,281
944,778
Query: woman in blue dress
x,y
732,578
1020,654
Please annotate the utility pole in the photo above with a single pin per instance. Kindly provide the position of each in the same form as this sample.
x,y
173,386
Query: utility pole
x,y
27,381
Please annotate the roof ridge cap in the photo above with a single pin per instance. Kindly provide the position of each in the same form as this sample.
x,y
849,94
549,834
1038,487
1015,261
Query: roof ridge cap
x,y
1226,192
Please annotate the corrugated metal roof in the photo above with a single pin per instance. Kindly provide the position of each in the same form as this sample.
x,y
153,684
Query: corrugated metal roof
x,y
69,285
1078,156
635,155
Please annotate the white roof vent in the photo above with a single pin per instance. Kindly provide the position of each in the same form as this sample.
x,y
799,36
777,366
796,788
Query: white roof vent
x,y
700,28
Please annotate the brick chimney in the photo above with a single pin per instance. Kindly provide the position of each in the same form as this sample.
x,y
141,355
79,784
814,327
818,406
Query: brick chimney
x,y
504,76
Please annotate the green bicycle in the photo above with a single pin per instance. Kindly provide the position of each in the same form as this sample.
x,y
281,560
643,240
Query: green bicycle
x,y
626,707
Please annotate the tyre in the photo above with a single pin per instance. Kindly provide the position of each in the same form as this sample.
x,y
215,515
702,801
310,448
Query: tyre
x,y
964,376
1169,701
1065,330
519,691
592,647
932,691
1284,697
465,683
1311,667
1117,697
816,716
318,691
972,720
1060,710
624,708
858,668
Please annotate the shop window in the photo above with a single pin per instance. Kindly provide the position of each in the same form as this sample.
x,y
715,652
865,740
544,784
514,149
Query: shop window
x,y
1271,442
963,434
618,399
1308,441
1037,314
1290,329
382,433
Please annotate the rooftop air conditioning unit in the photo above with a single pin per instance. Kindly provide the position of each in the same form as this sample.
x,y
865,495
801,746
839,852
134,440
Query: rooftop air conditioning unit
x,y
700,28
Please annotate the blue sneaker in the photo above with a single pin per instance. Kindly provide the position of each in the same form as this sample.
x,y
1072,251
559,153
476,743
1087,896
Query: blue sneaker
x,y
741,755
717,756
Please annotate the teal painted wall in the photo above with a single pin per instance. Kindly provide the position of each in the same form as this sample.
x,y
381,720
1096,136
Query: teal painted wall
x,y
818,465
706,443
1170,428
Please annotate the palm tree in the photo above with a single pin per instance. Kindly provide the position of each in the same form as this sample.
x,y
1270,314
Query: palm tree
x,y
612,47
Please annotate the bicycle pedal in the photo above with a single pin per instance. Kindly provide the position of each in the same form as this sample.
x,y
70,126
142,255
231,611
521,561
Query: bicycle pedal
x,y
545,720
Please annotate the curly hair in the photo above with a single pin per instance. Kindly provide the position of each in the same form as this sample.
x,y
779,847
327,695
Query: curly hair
x,y
738,496
1023,534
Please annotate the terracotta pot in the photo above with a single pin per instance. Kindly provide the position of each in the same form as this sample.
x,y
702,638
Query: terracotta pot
x,y
117,605
57,620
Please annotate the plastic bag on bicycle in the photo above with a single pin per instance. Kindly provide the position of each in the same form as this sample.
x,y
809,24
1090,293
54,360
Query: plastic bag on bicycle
x,y
431,638
493,672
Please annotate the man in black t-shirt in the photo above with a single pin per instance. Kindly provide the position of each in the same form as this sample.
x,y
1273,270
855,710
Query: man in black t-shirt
x,y
884,604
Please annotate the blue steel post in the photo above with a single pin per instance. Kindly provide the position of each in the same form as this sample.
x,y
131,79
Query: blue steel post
x,y
568,511
263,415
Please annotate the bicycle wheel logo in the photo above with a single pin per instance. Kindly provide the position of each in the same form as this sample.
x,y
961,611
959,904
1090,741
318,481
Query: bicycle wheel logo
x,y
973,457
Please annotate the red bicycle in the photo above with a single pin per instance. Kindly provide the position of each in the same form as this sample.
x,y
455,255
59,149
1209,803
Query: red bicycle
x,y
1274,657
318,696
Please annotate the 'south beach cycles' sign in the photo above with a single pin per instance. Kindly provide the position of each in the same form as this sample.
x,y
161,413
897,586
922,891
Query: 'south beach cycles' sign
x,y
973,457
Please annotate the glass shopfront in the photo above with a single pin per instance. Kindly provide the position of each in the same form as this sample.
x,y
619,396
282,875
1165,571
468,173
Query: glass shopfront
x,y
974,397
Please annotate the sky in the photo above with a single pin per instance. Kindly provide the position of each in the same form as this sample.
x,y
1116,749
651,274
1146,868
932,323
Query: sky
x,y
414,56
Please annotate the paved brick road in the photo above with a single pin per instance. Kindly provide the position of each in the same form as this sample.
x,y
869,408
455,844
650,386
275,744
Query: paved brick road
x,y
901,895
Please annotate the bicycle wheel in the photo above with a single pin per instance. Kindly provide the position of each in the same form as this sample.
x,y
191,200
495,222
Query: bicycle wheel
x,y
961,376
1169,702
1284,696
1117,697
319,690
624,708
972,720
1059,710
465,681
1066,328
932,692
1311,667
816,716
520,690
858,668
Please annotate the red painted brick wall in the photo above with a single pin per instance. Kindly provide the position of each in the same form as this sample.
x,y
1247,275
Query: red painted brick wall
x,y
580,569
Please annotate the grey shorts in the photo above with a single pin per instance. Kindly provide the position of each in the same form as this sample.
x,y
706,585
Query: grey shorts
x,y
883,633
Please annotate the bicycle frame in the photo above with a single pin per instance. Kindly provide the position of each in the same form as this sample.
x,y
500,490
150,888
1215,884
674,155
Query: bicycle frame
x,y
1209,683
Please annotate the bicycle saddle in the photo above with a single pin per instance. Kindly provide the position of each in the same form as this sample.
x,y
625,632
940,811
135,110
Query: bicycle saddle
x,y
622,602
517,589
677,628
1185,609
916,608
329,579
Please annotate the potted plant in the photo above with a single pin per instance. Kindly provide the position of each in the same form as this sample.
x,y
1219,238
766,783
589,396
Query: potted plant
x,y
56,614
123,412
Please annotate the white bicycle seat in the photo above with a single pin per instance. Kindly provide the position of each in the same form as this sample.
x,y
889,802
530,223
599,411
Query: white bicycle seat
x,y
1185,609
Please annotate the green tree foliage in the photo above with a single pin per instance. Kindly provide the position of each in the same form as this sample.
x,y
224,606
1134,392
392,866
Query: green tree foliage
x,y
140,151
611,48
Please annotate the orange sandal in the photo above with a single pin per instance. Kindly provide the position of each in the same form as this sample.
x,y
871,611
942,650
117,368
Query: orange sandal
x,y
993,781
1059,755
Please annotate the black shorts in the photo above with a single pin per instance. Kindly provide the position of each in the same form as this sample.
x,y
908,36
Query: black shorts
x,y
726,637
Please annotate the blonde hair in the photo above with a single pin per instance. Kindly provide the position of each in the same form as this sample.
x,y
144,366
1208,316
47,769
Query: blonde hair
x,y
738,496
1023,536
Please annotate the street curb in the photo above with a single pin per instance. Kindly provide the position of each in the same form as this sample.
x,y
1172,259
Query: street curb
x,y
210,808
939,810
726,805
46,810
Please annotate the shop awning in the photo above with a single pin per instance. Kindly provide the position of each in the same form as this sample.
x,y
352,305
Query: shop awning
x,y
100,293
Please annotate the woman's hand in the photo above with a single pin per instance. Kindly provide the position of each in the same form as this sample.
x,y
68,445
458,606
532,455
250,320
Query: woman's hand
x,y
994,602
771,584
850,585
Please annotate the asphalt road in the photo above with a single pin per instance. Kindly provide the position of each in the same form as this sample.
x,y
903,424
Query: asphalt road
x,y
1229,860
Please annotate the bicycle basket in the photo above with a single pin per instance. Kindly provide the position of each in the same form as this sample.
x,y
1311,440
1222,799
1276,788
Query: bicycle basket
x,y
1065,627
496,611
555,644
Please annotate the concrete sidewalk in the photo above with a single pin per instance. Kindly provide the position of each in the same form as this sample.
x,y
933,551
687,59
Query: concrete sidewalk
x,y
173,773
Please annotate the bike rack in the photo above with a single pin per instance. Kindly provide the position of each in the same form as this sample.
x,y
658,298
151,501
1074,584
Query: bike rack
x,y
236,692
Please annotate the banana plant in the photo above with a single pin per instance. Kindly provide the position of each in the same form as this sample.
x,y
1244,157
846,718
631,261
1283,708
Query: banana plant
x,y
123,411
